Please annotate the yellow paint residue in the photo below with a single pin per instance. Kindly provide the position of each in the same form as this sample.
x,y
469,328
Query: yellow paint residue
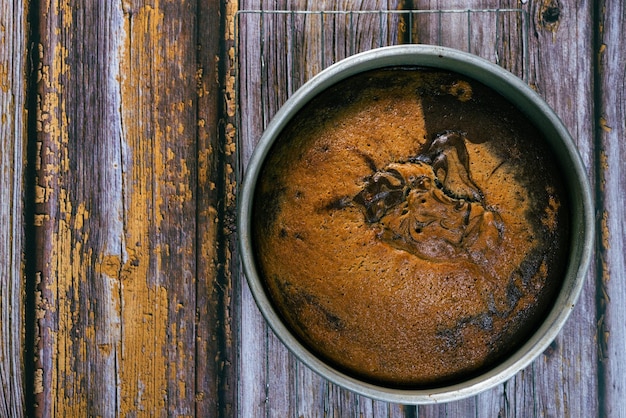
x,y
144,311
65,9
66,264
603,124
605,230
110,265
230,95
144,366
230,146
201,88
42,194
70,261
604,166
604,161
40,218
204,165
231,186
81,215
4,77
231,9
38,384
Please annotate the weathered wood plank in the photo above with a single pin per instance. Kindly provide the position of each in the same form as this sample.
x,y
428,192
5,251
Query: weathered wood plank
x,y
158,300
13,102
133,317
561,70
81,164
216,301
610,155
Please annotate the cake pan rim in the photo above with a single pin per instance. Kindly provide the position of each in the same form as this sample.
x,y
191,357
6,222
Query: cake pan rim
x,y
528,101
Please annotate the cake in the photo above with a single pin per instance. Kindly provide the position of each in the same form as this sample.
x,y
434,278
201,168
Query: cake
x,y
410,226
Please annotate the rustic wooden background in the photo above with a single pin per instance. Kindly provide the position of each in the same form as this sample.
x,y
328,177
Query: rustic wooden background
x,y
124,127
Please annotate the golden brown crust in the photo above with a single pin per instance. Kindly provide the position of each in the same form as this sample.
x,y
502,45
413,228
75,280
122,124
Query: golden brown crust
x,y
410,227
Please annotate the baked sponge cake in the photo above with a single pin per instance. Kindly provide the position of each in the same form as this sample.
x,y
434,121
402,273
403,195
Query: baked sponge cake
x,y
410,226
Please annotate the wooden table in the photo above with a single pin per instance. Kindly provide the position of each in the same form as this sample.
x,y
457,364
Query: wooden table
x,y
124,129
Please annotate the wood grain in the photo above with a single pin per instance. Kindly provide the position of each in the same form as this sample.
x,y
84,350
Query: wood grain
x,y
610,154
562,72
13,118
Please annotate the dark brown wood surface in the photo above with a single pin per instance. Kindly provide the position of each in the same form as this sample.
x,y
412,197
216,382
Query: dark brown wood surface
x,y
124,127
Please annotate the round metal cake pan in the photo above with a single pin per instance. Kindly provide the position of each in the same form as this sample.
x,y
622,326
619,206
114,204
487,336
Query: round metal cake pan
x,y
535,108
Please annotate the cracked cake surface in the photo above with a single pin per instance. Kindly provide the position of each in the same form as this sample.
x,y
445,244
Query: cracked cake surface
x,y
410,226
